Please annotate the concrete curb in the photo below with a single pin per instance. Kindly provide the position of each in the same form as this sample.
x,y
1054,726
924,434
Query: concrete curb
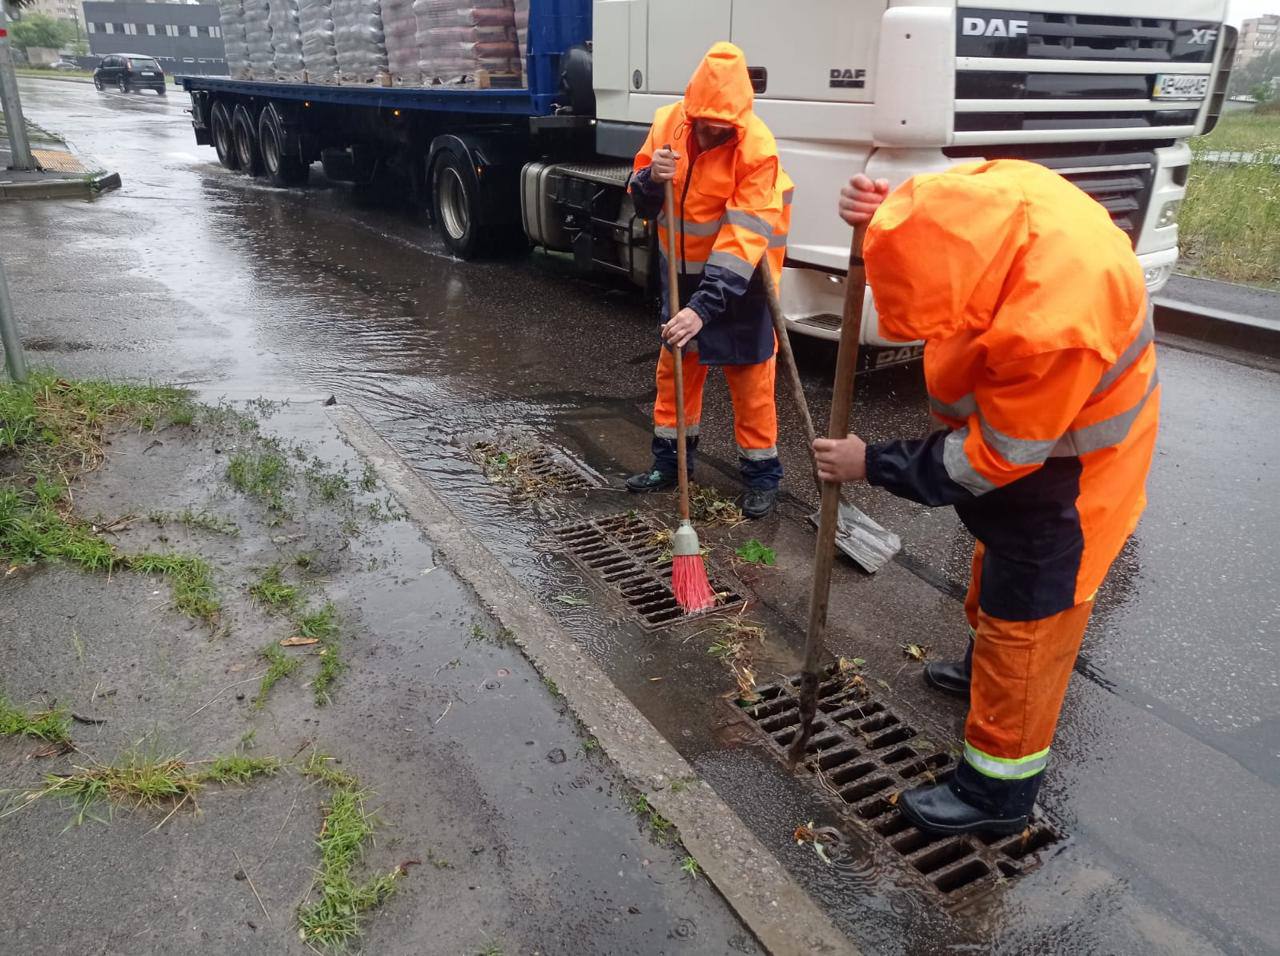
x,y
1218,326
773,905
24,75
87,188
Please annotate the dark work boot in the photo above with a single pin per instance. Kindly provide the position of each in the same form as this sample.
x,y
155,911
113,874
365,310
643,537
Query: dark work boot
x,y
939,808
758,502
654,480
951,677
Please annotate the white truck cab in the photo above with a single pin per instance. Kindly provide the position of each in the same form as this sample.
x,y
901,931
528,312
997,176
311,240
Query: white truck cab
x,y
1106,94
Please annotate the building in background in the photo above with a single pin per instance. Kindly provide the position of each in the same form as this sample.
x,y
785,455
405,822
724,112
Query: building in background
x,y
1258,37
58,9
184,37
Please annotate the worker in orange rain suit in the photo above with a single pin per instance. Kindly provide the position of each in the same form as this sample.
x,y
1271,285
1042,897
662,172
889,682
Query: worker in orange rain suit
x,y
732,201
1039,361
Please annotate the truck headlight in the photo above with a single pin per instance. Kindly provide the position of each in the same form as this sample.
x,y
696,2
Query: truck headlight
x,y
1168,213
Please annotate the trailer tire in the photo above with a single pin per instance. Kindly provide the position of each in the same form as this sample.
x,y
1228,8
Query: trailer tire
x,y
246,141
456,202
282,167
223,136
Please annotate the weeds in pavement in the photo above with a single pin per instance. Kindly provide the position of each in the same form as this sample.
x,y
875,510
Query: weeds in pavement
x,y
322,625
327,484
689,867
191,579
708,506
368,478
262,473
271,590
137,781
334,919
198,520
641,807
492,949
331,666
281,665
753,552
53,726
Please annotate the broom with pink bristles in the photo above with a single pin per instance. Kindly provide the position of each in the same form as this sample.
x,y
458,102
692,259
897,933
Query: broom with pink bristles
x,y
688,573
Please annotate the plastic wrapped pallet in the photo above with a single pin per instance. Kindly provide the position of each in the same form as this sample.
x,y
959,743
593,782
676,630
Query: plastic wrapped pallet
x,y
358,36
400,27
236,49
257,32
286,39
522,39
457,41
319,54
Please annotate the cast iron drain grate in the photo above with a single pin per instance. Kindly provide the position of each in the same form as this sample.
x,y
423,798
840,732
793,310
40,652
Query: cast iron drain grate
x,y
530,470
625,552
862,754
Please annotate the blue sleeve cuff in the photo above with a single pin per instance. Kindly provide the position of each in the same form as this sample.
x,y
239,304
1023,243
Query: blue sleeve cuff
x,y
914,469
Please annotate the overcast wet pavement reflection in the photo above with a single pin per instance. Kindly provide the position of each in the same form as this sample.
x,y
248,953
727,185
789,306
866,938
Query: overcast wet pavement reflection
x,y
1168,756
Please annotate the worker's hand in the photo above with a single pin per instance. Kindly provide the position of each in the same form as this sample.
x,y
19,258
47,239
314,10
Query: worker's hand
x,y
860,199
662,168
682,328
841,459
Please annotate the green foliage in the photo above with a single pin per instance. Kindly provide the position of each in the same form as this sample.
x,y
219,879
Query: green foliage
x,y
191,579
753,552
261,474
240,768
280,666
53,725
689,867
42,30
271,590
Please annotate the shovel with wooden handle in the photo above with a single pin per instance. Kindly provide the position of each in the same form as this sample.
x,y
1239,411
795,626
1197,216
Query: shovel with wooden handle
x,y
828,517
857,535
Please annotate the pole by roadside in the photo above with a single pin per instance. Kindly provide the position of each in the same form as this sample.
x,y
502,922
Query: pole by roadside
x,y
14,121
15,359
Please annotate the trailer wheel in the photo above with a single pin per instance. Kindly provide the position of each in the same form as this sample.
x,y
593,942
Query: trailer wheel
x,y
223,136
282,168
246,140
456,205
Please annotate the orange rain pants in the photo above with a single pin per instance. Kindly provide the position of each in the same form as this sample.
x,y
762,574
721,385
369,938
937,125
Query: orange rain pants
x,y
1019,678
755,416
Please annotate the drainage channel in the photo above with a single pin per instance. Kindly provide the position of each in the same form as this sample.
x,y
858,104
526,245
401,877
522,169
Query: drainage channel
x,y
530,469
861,755
627,552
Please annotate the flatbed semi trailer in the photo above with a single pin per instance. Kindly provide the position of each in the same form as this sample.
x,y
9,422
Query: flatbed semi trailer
x,y
541,153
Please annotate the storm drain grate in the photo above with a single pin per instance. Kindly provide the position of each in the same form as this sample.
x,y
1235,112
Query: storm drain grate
x,y
628,553
532,470
862,755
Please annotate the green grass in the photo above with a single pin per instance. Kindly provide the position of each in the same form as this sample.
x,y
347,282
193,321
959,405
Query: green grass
x,y
640,806
690,868
280,666
261,474
196,520
1230,220
334,920
325,483
191,579
272,591
322,625
138,781
331,667
52,725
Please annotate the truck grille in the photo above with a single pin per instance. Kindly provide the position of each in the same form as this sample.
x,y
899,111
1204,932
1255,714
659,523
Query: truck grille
x,y
1069,36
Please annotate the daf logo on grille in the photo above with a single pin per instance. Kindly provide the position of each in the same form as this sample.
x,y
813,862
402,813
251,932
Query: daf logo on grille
x,y
1202,37
995,27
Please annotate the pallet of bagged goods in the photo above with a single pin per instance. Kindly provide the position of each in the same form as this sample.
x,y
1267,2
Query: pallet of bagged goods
x,y
319,49
286,39
235,47
360,42
461,43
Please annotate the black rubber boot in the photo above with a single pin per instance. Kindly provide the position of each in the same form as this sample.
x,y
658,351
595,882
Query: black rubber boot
x,y
939,808
654,480
952,677
758,502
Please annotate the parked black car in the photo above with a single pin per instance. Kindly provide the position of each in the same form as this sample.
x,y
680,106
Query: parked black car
x,y
129,72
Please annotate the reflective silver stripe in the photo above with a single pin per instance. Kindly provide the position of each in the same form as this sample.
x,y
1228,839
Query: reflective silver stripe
x,y
786,196
690,228
1002,768
735,264
692,268
758,454
748,220
1016,451
669,431
962,407
1106,433
1146,335
957,464
778,241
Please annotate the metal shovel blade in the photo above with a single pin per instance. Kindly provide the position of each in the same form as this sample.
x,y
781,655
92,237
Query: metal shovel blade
x,y
868,544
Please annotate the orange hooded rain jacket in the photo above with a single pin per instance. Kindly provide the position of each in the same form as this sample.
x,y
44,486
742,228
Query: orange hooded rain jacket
x,y
1039,359
732,207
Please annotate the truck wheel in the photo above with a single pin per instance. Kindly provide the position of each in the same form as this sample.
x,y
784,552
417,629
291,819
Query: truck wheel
x,y
282,168
222,135
456,207
246,140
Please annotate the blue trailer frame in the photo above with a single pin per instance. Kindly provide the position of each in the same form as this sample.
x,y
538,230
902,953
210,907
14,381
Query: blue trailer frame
x,y
554,26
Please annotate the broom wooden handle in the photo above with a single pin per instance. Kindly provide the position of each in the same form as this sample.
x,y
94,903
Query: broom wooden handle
x,y
677,352
829,515
789,364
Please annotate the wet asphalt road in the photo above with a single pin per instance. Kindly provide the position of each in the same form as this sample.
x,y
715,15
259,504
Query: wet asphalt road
x,y
1169,751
